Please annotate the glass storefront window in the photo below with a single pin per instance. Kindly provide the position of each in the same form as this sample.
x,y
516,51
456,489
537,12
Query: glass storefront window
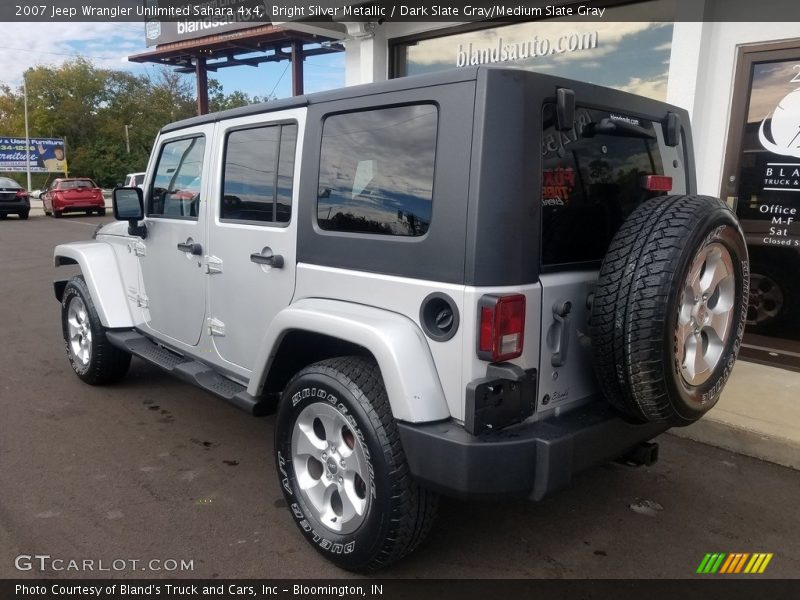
x,y
631,54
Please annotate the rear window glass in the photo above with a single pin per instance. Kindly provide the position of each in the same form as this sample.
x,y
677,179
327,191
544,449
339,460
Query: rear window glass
x,y
592,179
8,183
376,171
80,183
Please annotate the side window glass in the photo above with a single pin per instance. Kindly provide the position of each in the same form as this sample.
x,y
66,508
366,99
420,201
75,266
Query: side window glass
x,y
175,191
376,171
258,173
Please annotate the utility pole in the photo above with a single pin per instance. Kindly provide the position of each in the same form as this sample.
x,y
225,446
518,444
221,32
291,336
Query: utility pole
x,y
27,136
127,139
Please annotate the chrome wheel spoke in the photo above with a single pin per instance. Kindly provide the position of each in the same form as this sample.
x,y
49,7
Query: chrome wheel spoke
x,y
715,272
718,323
352,502
694,363
308,444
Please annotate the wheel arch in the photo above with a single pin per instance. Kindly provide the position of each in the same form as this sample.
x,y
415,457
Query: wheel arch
x,y
314,329
99,268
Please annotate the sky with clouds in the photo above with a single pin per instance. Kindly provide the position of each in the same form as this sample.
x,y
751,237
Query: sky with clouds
x,y
108,45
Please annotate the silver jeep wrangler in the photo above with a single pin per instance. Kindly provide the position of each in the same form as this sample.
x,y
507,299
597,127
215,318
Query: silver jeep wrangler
x,y
474,283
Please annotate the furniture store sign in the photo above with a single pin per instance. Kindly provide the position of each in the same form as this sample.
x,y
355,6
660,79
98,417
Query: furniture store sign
x,y
42,155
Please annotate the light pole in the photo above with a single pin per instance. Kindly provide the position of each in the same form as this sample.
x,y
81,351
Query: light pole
x,y
127,139
27,136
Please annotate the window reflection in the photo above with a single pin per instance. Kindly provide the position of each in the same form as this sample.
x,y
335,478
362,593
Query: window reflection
x,y
259,167
376,171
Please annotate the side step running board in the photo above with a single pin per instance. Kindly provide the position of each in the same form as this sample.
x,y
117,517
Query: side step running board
x,y
188,370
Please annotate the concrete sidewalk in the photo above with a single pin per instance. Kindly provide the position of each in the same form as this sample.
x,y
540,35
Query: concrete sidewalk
x,y
758,415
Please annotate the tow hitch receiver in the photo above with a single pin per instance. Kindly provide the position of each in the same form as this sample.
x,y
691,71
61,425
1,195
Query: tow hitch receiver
x,y
644,454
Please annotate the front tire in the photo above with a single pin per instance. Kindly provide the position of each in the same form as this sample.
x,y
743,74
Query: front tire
x,y
342,468
90,354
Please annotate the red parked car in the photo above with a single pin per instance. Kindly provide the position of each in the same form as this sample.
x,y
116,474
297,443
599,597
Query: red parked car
x,y
73,195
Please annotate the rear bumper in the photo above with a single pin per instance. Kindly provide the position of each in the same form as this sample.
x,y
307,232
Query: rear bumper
x,y
14,207
65,207
527,460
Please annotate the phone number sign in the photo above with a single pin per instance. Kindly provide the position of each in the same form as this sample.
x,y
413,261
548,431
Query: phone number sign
x,y
43,155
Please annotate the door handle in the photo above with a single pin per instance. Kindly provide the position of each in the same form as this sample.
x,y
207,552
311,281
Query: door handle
x,y
266,257
561,310
191,248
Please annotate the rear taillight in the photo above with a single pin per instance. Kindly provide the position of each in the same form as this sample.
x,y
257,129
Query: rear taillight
x,y
22,194
501,326
657,183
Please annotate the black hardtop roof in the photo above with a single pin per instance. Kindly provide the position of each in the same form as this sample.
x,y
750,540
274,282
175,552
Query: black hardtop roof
x,y
365,89
612,97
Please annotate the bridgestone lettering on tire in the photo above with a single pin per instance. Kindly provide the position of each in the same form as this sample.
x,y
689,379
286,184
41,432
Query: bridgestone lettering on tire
x,y
90,354
334,421
670,309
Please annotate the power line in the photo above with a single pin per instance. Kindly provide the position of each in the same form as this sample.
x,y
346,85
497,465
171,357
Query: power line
x,y
286,68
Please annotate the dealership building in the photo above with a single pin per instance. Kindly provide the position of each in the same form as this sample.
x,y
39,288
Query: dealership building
x,y
738,78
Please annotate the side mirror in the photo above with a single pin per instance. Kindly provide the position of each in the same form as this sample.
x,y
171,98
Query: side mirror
x,y
565,109
129,206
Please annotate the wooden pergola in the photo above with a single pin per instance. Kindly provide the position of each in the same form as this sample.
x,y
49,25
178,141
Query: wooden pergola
x,y
245,47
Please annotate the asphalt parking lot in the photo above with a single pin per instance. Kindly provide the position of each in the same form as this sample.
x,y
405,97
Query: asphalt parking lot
x,y
155,469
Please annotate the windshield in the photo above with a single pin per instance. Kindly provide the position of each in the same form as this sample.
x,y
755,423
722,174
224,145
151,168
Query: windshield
x,y
138,179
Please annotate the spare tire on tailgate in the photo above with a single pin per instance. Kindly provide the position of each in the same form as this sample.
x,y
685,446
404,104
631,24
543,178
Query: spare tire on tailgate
x,y
670,308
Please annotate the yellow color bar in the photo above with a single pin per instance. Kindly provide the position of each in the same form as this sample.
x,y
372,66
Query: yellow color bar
x,y
765,563
754,560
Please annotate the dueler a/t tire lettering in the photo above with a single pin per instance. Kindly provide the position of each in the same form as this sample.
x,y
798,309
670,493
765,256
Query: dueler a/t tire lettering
x,y
675,275
348,392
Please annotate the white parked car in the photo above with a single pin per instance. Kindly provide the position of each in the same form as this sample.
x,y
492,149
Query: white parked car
x,y
134,180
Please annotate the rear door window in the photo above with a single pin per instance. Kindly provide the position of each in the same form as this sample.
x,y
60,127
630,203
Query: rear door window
x,y
592,179
258,174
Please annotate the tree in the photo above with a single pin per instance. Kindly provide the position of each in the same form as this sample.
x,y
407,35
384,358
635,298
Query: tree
x,y
91,107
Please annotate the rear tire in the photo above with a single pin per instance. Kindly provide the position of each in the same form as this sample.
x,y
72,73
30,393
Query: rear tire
x,y
669,310
90,354
57,214
338,451
24,215
102,212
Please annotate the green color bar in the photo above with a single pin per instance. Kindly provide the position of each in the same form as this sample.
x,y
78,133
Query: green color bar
x,y
718,564
701,568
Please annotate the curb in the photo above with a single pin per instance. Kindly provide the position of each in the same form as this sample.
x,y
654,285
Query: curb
x,y
780,451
